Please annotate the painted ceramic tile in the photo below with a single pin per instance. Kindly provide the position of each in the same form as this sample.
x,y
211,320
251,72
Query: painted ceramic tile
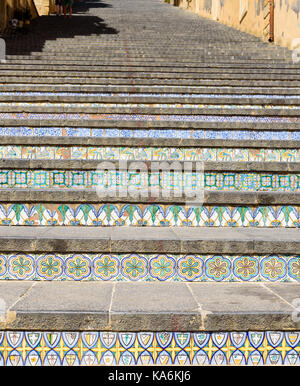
x,y
57,348
148,215
150,267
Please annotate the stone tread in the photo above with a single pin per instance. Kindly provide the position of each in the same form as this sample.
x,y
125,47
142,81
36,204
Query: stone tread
x,y
143,110
150,240
90,196
149,142
162,306
23,87
143,82
72,164
152,75
53,98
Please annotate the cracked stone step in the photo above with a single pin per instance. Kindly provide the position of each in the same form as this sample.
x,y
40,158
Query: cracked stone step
x,y
94,306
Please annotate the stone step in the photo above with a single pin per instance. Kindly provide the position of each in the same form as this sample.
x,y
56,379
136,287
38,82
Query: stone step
x,y
205,240
142,62
141,49
156,307
178,101
116,164
178,109
38,147
143,82
136,68
150,75
210,197
23,89
150,254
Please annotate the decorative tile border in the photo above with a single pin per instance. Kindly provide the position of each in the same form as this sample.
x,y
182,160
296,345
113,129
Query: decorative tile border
x,y
18,348
150,267
45,214
151,133
61,179
150,153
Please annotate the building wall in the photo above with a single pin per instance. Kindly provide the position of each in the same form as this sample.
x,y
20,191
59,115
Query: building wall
x,y
252,16
43,6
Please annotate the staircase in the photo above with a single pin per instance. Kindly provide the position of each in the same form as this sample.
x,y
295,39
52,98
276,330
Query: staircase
x,y
163,274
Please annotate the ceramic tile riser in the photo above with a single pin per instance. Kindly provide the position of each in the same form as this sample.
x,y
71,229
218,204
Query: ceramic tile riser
x,y
159,278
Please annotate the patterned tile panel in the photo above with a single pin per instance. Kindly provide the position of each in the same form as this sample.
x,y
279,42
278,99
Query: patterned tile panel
x,y
150,267
42,348
61,179
149,153
261,134
42,214
163,133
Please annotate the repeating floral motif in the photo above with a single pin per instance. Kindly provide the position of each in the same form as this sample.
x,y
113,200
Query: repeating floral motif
x,y
21,266
78,267
150,153
63,179
246,267
148,215
294,268
162,267
273,268
218,268
49,267
190,267
106,267
150,267
43,348
134,267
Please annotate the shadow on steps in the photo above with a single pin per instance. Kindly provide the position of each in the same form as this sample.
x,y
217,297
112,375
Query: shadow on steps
x,y
45,28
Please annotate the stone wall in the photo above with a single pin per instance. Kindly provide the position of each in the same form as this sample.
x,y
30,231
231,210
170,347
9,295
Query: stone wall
x,y
252,16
